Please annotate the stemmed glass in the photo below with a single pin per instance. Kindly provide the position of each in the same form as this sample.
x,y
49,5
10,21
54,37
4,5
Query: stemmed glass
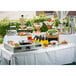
x,y
49,24
38,26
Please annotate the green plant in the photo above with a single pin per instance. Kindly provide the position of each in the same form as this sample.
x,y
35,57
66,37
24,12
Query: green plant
x,y
44,28
1,40
42,15
14,24
56,22
3,29
40,19
67,29
75,28
28,23
67,21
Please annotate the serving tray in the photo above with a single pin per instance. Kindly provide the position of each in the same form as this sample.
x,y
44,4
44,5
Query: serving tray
x,y
22,48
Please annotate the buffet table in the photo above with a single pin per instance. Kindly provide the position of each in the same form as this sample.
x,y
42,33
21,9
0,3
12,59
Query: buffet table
x,y
55,55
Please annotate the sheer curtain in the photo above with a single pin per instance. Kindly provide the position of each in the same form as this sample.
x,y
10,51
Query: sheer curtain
x,y
61,14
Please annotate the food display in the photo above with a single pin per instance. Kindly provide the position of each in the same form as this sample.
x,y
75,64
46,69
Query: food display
x,y
12,43
41,39
23,34
28,28
37,26
45,43
52,31
64,42
28,41
16,44
49,24
23,42
21,46
53,42
32,43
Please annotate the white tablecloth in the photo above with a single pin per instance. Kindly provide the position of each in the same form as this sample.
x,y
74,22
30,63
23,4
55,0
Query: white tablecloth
x,y
62,54
71,39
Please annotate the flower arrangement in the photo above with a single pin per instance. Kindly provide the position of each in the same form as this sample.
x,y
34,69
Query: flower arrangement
x,y
64,20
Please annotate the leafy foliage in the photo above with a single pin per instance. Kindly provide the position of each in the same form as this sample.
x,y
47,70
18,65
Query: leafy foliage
x,y
6,23
1,40
4,27
44,28
28,23
56,22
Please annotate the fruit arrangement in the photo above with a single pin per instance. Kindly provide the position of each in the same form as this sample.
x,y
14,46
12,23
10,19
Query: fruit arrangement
x,y
13,43
44,42
30,38
36,41
41,39
16,44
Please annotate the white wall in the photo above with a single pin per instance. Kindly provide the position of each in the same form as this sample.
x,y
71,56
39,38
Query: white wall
x,y
16,14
